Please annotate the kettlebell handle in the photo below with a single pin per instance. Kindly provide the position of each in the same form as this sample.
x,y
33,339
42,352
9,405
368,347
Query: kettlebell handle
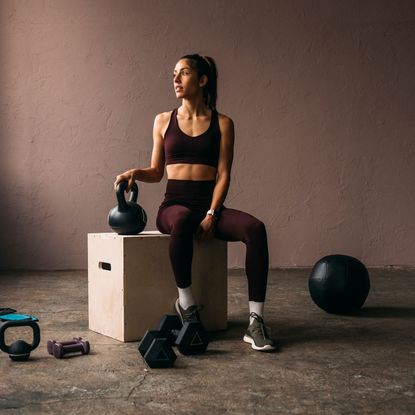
x,y
122,204
29,323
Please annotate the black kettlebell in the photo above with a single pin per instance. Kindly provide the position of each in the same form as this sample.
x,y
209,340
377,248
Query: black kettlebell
x,y
20,350
128,218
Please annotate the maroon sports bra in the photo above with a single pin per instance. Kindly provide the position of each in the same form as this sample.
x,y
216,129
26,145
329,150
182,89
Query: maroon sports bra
x,y
182,148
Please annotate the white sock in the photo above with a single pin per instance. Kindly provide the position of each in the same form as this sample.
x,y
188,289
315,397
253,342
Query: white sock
x,y
186,297
257,308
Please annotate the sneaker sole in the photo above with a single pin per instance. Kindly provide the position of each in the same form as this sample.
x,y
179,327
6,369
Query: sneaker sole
x,y
265,348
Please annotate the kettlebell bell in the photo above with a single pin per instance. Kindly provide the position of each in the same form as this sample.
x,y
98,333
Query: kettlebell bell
x,y
128,218
19,350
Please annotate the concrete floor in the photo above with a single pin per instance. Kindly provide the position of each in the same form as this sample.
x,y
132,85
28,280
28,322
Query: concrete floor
x,y
361,364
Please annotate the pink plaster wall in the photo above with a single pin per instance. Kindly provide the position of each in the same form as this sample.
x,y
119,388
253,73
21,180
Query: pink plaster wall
x,y
321,93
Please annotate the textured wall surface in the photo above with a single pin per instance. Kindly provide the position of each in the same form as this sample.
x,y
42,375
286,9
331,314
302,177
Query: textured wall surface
x,y
321,94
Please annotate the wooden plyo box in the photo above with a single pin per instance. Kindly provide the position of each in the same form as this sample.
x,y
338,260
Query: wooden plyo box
x,y
131,283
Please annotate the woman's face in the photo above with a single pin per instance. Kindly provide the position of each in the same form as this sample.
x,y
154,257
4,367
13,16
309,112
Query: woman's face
x,y
185,80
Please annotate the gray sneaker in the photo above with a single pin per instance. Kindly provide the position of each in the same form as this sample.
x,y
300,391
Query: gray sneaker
x,y
190,314
257,335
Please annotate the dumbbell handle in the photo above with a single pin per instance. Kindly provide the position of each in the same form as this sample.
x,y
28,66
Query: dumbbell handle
x,y
74,347
175,332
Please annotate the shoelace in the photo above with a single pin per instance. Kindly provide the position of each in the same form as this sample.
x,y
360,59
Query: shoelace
x,y
262,328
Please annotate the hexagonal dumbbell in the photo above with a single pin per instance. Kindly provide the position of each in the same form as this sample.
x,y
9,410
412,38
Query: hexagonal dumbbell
x,y
156,345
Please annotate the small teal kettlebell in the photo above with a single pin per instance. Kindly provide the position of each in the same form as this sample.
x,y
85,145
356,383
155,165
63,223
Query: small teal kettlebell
x,y
128,218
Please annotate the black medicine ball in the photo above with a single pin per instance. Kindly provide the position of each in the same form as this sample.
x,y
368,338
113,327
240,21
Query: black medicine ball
x,y
339,284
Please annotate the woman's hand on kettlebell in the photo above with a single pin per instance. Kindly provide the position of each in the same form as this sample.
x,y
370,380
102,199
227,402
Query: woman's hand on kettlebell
x,y
128,177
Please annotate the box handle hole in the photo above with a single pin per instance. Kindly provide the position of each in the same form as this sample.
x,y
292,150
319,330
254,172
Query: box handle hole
x,y
105,265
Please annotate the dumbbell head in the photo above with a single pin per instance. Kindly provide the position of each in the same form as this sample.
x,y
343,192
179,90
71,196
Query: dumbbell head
x,y
79,345
146,341
156,350
192,338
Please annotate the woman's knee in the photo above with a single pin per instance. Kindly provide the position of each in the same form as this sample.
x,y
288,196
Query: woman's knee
x,y
161,223
159,226
174,219
256,229
181,223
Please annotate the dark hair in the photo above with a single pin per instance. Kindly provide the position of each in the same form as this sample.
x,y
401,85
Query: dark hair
x,y
205,65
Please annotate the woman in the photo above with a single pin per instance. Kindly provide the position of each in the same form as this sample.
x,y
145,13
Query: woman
x,y
195,143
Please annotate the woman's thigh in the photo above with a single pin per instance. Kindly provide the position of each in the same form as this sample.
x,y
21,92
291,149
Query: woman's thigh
x,y
176,217
235,225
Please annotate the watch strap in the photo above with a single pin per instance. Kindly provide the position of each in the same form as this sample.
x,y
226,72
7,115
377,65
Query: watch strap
x,y
211,212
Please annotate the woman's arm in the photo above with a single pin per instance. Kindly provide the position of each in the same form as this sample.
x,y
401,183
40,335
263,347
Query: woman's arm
x,y
154,173
225,162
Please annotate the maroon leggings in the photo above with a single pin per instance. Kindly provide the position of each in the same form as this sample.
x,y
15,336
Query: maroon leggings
x,y
184,207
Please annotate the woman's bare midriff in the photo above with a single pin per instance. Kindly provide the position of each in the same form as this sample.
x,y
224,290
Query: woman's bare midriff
x,y
183,171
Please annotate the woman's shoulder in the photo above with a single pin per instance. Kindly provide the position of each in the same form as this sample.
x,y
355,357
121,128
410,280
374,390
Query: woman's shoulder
x,y
164,115
163,118
162,121
225,121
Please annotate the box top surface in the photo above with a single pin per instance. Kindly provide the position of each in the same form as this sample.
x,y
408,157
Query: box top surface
x,y
144,234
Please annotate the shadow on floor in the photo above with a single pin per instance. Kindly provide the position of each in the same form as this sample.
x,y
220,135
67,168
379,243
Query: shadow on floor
x,y
336,328
386,312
